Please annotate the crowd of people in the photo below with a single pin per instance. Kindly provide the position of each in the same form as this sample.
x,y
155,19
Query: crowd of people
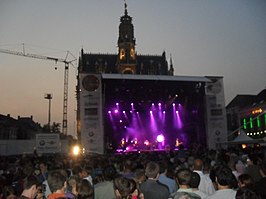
x,y
195,174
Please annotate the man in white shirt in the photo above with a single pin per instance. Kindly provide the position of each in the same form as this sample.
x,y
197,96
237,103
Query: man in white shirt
x,y
224,179
205,185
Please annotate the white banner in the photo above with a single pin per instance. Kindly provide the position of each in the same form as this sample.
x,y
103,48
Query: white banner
x,y
216,113
48,143
91,117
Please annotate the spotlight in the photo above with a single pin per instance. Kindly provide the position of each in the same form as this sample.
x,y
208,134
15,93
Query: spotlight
x,y
76,150
124,112
152,104
146,142
132,104
173,104
120,121
116,111
176,95
176,112
150,112
160,138
109,112
117,104
159,104
163,112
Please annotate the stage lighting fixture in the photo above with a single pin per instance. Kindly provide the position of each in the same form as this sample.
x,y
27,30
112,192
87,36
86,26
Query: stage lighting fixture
x,y
116,111
173,104
176,112
176,95
152,104
163,112
150,112
159,104
146,142
120,121
160,138
132,104
117,104
109,112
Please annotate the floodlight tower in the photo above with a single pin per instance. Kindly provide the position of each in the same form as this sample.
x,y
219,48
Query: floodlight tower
x,y
49,96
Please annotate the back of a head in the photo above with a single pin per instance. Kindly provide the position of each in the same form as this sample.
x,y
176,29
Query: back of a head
x,y
124,187
85,190
195,180
183,176
224,176
163,166
109,172
198,164
56,180
30,180
152,170
245,180
244,193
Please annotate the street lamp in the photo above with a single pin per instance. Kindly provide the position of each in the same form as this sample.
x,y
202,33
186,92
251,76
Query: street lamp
x,y
49,96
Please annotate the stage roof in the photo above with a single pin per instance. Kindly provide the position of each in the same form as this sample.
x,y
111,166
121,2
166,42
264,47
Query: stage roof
x,y
157,77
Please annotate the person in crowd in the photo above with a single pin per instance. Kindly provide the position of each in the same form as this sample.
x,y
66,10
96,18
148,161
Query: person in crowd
x,y
85,190
85,173
253,168
246,187
194,184
73,183
183,179
224,179
205,185
30,187
8,192
126,189
127,169
259,187
152,188
105,189
43,166
245,193
170,183
57,183
139,176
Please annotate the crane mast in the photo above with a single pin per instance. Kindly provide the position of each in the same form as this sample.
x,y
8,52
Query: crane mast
x,y
65,96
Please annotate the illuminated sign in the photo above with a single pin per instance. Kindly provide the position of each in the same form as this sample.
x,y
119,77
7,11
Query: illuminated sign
x,y
257,111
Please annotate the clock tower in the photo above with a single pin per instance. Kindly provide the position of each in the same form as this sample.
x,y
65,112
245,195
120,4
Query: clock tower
x,y
126,45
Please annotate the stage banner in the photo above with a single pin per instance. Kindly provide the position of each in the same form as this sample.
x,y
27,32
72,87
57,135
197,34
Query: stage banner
x,y
48,143
91,116
216,113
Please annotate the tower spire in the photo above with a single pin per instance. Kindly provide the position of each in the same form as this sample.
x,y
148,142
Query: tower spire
x,y
125,7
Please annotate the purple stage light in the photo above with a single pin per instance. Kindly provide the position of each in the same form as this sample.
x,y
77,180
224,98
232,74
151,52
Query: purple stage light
x,y
109,112
173,104
117,104
159,104
160,138
152,104
120,121
116,111
176,112
124,112
132,104
163,112
146,142
150,112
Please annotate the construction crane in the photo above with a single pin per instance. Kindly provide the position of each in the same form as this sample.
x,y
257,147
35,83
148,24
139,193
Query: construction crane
x,y
66,62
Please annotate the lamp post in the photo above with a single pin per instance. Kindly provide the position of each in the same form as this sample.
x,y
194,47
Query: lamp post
x,y
49,96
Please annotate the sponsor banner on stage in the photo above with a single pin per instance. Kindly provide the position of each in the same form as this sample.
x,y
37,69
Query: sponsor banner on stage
x,y
216,113
91,119
48,143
